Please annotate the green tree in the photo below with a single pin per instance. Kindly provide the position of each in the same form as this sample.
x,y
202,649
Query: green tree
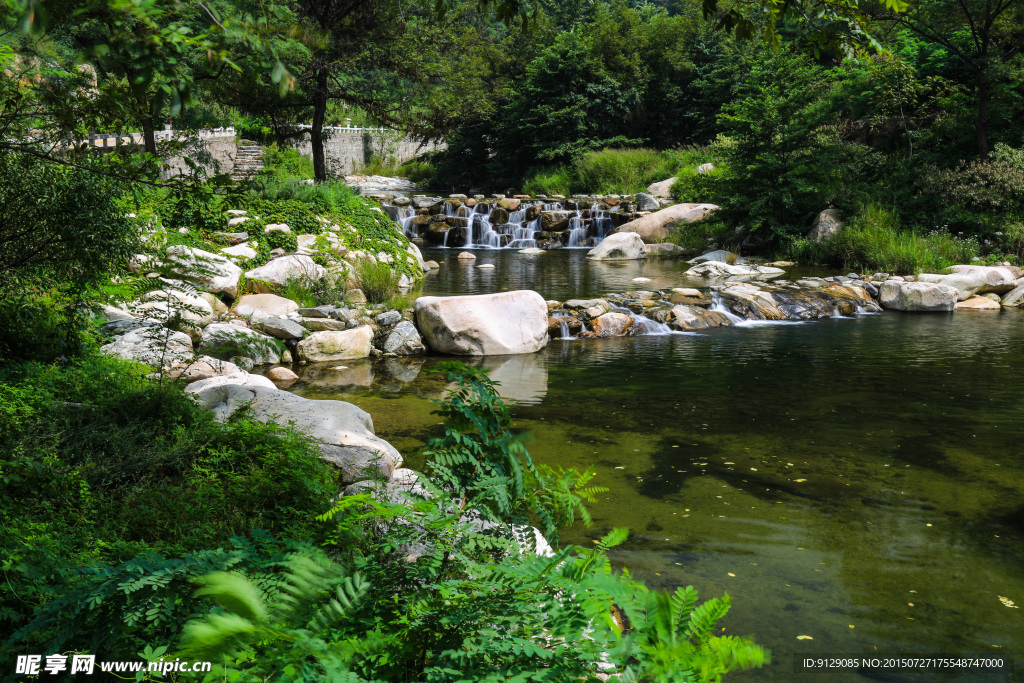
x,y
784,159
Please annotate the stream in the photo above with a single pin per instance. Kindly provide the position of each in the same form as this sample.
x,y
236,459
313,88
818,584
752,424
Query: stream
x,y
856,480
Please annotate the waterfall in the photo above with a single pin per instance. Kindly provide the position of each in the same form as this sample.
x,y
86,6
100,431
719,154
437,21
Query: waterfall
x,y
586,227
578,231
645,324
718,307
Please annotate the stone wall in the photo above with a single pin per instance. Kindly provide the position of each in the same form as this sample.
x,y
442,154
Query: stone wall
x,y
216,155
347,150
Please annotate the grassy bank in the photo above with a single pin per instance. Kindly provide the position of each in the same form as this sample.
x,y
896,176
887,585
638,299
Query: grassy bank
x,y
612,171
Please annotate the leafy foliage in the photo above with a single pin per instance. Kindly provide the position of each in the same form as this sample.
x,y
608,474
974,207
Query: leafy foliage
x,y
473,601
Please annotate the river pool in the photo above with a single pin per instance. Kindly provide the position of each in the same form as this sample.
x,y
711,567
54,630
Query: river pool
x,y
858,481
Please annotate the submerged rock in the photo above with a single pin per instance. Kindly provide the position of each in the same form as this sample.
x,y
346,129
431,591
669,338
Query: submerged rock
x,y
484,325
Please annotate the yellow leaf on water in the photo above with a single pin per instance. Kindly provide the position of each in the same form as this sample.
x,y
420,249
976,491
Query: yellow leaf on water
x,y
731,574
800,480
1008,602
804,638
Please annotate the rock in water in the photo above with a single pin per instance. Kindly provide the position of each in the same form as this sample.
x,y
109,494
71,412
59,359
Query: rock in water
x,y
484,325
619,246
612,324
978,303
917,296
466,256
403,340
333,346
719,269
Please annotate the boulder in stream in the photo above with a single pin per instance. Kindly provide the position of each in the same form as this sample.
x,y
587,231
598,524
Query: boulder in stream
x,y
484,324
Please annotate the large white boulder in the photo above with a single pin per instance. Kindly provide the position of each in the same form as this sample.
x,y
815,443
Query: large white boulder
x,y
619,246
277,273
1014,298
164,305
262,306
242,251
917,296
965,284
227,340
656,227
997,279
336,345
154,346
211,272
239,378
345,431
485,324
663,188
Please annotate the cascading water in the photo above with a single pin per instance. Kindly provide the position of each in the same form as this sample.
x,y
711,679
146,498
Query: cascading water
x,y
718,307
645,324
577,231
586,226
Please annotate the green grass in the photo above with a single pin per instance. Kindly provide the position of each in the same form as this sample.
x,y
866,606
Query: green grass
x,y
611,171
874,241
378,281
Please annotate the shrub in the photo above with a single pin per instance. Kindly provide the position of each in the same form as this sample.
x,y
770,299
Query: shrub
x,y
379,281
874,241
100,465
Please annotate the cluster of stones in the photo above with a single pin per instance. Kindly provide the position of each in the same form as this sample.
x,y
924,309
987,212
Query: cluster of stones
x,y
691,309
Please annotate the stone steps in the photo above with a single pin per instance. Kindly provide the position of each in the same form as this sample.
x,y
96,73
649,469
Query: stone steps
x,y
248,162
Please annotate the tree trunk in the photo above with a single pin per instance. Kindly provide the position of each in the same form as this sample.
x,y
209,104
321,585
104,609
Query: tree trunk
x,y
317,140
981,120
149,134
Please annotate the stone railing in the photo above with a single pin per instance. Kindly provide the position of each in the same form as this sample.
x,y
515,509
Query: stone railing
x,y
103,141
353,129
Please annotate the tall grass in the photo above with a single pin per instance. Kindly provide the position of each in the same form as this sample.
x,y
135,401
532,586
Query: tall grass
x,y
326,197
610,171
873,241
378,281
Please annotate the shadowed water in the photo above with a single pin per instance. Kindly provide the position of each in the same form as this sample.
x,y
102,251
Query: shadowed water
x,y
859,481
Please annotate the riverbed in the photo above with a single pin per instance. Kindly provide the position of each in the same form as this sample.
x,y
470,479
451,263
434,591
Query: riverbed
x,y
858,481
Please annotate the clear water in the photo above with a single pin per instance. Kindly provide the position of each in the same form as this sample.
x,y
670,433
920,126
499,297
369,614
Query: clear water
x,y
859,481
